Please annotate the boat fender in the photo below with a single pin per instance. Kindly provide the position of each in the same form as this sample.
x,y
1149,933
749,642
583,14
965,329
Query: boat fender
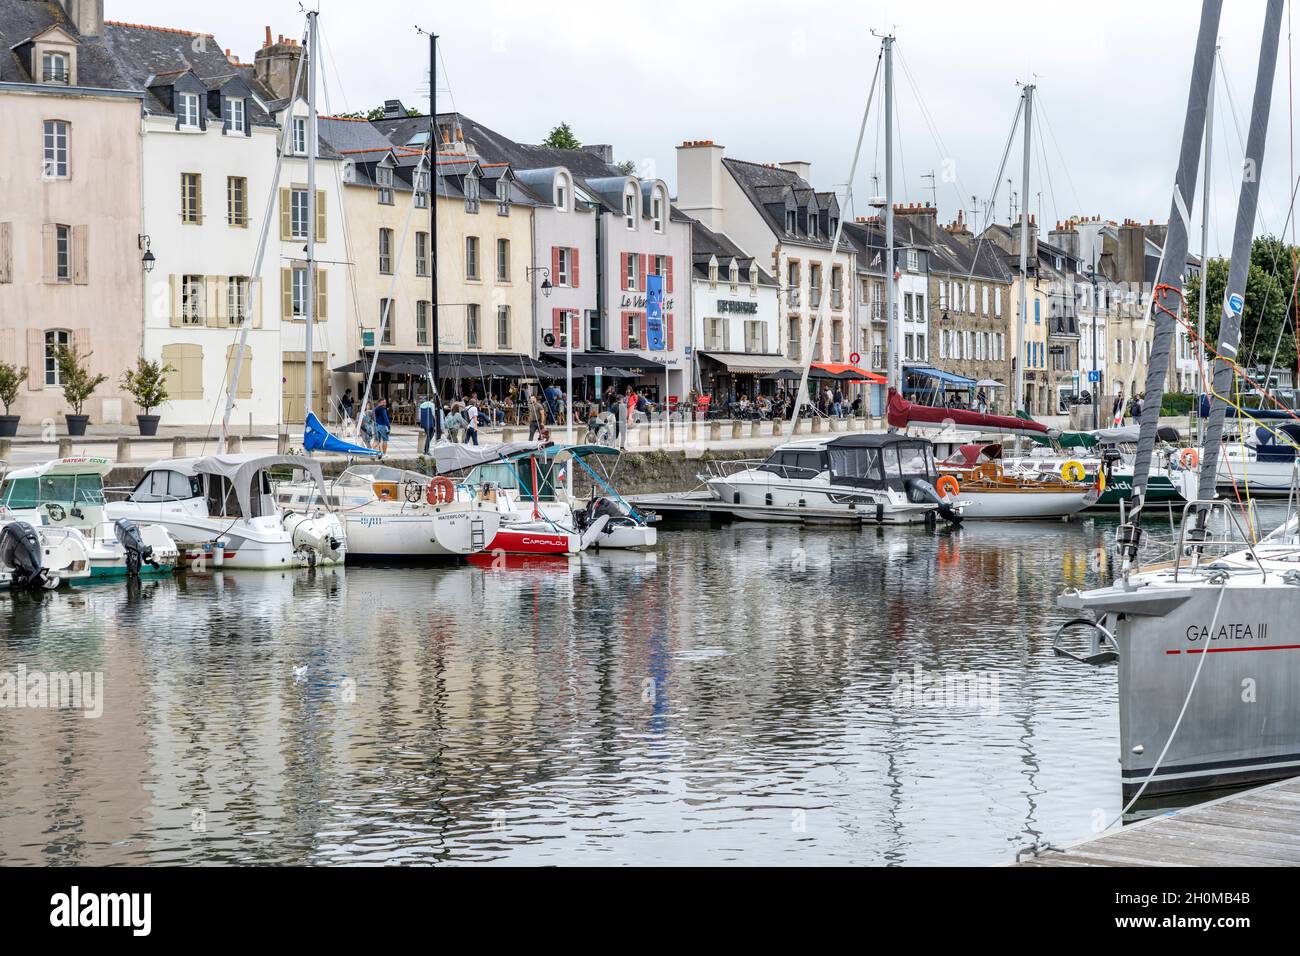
x,y
1189,458
949,482
1073,470
441,491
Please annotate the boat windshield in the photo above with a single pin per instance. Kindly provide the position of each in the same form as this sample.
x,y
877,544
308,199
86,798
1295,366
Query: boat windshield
x,y
916,460
63,489
854,464
795,464
166,485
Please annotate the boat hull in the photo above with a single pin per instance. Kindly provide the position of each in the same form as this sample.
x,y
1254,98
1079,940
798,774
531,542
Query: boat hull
x,y
979,504
388,533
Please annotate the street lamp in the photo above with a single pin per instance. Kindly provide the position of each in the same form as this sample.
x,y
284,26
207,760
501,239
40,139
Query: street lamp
x,y
147,260
1095,382
546,278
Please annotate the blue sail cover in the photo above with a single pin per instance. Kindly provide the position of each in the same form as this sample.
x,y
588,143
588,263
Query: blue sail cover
x,y
315,437
1262,414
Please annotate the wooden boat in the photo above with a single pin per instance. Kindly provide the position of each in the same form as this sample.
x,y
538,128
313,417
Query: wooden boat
x,y
987,491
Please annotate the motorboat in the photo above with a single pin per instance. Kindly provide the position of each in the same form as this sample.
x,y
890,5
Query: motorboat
x,y
393,514
989,491
222,509
68,493
886,478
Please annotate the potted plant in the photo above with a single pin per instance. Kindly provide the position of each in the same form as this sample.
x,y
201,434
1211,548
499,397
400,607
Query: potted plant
x,y
11,377
147,384
78,385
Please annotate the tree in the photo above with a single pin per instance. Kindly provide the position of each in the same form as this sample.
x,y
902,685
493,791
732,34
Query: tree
x,y
147,384
562,138
11,377
1268,290
374,114
74,373
627,167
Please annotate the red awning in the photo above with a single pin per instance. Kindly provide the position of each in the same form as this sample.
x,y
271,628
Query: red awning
x,y
839,369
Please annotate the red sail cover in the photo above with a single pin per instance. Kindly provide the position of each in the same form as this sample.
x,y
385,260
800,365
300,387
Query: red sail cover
x,y
902,413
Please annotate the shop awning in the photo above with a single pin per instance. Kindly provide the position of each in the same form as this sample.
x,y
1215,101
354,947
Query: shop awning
x,y
847,373
747,363
606,361
454,364
939,375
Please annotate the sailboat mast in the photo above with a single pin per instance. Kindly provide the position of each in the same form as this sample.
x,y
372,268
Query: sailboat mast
x,y
309,307
1166,297
1239,269
1205,252
1027,97
433,232
895,374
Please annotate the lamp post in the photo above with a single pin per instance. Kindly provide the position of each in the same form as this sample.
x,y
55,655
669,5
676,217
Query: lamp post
x,y
568,349
1096,380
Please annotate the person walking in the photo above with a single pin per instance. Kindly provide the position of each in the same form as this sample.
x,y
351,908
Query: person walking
x,y
1117,409
428,421
347,403
383,425
455,424
471,423
536,417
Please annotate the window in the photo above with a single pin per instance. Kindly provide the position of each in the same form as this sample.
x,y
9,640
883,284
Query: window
x,y
236,200
503,260
386,321
1038,315
660,265
55,339
422,323
631,269
812,224
298,214
63,253
814,285
561,194
657,211
54,68
503,197
386,252
56,149
237,299
837,291
734,275
235,121
187,110
792,281
564,256
790,219
792,347
384,179
755,336
471,257
715,334
633,321
564,317
471,327
193,296
421,253
191,198
713,272
913,260
299,144
997,302
471,194
503,326
299,293
629,209
421,185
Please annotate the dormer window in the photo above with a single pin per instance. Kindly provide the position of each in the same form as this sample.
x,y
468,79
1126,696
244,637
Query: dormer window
x,y
187,110
629,209
790,222
561,194
421,181
835,224
384,179
735,275
812,224
54,68
503,197
753,278
235,119
471,194
299,144
657,211
913,260
713,271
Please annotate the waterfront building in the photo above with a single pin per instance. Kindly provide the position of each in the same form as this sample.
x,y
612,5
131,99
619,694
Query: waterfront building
x,y
1029,345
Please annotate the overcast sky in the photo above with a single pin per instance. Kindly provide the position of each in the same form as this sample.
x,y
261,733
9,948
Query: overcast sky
x,y
773,80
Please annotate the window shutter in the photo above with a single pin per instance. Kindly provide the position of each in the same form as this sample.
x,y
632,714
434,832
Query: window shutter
x,y
6,251
622,279
248,112
174,300
555,265
555,325
255,301
192,379
622,321
320,216
198,198
574,322
286,215
644,338
643,270
215,287
80,255
49,253
668,282
35,360
573,267
668,318
322,299
286,294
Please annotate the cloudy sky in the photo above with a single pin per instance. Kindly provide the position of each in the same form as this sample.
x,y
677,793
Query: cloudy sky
x,y
773,81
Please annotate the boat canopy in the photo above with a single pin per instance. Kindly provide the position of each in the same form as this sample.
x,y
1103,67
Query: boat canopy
x,y
65,466
240,470
449,457
880,461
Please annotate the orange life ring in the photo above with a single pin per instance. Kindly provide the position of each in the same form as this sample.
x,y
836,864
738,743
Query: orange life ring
x,y
948,481
441,491
1189,458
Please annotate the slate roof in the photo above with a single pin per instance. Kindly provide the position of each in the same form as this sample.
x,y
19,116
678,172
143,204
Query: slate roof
x,y
705,244
769,189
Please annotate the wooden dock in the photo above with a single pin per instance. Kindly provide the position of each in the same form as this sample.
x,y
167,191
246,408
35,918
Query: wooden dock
x,y
1259,827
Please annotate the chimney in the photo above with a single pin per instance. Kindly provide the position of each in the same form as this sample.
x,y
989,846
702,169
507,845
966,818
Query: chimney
x,y
86,15
800,168
393,109
958,226
602,151
275,63
1033,239
1066,236
921,218
699,182
1131,268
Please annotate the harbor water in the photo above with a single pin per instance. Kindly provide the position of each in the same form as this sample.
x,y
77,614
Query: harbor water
x,y
753,694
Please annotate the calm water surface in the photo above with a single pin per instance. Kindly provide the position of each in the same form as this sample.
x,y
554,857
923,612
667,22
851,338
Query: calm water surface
x,y
728,698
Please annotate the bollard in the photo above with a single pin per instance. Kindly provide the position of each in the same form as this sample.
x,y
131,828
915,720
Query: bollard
x,y
233,443
736,426
507,435
5,448
817,424
65,447
282,443
643,435
715,431
754,428
178,447
123,449
776,428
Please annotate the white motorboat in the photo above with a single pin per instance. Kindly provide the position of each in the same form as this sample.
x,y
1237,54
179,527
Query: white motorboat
x,y
888,478
392,514
222,509
69,493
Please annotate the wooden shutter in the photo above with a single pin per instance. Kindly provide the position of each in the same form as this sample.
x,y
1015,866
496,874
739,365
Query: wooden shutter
x,y
555,322
255,301
216,304
575,316
198,198
622,321
245,387
50,252
644,338
320,216
80,255
322,299
35,359
555,265
286,294
185,380
643,270
668,282
573,267
622,272
286,215
6,251
668,318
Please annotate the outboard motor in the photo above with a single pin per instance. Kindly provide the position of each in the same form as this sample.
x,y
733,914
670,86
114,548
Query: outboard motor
x,y
314,535
20,551
919,489
137,552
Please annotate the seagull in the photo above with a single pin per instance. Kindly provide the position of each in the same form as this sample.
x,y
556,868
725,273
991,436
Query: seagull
x,y
300,674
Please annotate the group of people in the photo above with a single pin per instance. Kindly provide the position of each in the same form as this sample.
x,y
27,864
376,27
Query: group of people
x,y
1120,409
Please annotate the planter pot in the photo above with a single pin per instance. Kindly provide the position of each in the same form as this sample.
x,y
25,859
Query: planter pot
x,y
8,426
148,424
77,424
